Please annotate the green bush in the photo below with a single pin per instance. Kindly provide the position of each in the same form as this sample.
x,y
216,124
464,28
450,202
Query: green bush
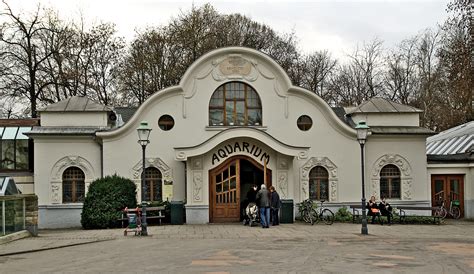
x,y
343,215
105,200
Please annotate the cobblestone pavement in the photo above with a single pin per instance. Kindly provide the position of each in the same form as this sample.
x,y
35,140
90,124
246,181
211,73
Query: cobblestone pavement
x,y
339,248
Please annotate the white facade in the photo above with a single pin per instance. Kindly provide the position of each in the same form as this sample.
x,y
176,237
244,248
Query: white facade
x,y
192,150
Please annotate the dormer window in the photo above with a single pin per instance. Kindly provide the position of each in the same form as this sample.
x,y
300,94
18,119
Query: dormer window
x,y
235,104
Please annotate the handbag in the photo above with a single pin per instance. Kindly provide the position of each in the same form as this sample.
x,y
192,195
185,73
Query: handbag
x,y
374,210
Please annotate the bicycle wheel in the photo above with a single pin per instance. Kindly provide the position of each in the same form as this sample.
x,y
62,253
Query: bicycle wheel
x,y
305,216
441,212
456,212
313,216
328,216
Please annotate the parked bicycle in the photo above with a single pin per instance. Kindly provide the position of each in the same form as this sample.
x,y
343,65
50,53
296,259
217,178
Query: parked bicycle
x,y
311,215
453,210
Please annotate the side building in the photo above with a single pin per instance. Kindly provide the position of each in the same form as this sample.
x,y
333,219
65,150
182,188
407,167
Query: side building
x,y
450,156
234,115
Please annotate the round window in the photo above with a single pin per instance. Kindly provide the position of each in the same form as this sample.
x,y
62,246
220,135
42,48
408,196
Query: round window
x,y
166,122
304,122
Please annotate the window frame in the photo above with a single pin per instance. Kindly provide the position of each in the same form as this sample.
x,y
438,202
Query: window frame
x,y
228,89
74,185
390,177
152,183
318,180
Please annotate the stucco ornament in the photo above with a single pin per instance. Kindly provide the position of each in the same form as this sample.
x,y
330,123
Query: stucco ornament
x,y
55,187
235,67
58,169
166,171
332,172
405,174
197,186
283,184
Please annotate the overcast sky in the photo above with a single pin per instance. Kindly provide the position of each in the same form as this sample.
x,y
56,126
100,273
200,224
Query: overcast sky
x,y
337,26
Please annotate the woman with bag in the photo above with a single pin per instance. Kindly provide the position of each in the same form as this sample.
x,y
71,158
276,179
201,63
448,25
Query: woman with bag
x,y
373,209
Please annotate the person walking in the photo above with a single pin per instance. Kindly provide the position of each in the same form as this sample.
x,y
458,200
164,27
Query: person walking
x,y
263,202
275,205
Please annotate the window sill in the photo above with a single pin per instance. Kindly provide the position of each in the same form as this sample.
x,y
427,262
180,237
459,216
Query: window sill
x,y
220,128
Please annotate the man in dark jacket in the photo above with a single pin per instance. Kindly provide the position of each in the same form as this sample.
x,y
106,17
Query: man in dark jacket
x,y
263,202
275,205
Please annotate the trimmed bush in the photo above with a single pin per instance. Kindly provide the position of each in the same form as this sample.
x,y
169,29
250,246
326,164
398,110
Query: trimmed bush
x,y
343,215
105,200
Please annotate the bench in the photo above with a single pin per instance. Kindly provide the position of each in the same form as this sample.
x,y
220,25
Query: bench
x,y
160,210
403,215
356,213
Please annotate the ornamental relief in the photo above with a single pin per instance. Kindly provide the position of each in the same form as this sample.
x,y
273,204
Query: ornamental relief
x,y
405,174
393,159
234,67
332,172
197,186
166,171
56,187
282,183
70,161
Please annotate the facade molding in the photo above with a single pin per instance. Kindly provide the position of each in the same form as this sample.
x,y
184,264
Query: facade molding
x,y
332,174
56,183
403,165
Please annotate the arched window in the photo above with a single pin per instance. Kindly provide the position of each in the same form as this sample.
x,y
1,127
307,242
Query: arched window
x,y
74,188
153,181
235,104
318,183
390,182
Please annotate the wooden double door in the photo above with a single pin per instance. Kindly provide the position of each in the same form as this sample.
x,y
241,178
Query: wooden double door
x,y
227,182
447,188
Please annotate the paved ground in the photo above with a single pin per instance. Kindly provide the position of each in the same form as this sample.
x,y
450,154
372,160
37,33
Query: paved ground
x,y
339,248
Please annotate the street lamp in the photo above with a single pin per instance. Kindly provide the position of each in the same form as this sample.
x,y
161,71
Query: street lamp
x,y
143,139
362,132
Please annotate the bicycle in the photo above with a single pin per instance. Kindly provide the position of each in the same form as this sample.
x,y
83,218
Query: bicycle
x,y
311,215
453,210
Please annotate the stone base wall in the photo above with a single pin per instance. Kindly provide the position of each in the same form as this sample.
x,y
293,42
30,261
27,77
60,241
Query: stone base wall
x,y
59,216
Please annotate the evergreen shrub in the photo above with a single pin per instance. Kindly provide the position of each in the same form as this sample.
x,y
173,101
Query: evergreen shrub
x,y
105,200
343,215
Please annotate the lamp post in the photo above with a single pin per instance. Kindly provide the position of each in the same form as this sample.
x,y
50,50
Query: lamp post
x,y
143,139
362,132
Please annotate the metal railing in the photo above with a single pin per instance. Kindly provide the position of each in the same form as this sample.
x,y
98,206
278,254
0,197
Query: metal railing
x,y
13,214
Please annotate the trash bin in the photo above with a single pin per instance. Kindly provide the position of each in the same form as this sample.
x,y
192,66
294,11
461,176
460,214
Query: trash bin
x,y
286,211
177,212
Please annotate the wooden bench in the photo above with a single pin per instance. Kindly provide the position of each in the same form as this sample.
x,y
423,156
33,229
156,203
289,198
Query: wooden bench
x,y
159,209
357,213
403,215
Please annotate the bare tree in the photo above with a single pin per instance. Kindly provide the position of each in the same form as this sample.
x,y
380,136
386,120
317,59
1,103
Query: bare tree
x,y
23,55
401,77
318,68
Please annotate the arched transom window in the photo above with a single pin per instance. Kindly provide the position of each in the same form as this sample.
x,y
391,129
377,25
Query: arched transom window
x,y
235,104
73,185
153,181
319,183
390,182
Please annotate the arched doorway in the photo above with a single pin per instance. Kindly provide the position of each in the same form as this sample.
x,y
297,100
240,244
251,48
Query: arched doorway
x,y
228,186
